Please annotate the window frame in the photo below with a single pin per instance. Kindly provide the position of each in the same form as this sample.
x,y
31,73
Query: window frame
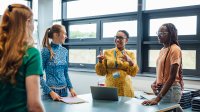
x,y
143,42
118,19
82,65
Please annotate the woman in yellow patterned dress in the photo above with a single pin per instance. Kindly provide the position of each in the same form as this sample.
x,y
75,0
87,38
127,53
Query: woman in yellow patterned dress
x,y
118,65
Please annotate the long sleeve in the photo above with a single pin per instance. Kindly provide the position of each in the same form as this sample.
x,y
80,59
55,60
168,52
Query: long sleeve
x,y
45,87
117,71
130,70
69,84
100,68
45,57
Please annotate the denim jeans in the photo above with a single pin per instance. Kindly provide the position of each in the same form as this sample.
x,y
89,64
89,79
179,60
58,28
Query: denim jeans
x,y
173,96
61,92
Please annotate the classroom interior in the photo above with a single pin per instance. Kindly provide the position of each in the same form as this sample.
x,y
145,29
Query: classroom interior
x,y
92,24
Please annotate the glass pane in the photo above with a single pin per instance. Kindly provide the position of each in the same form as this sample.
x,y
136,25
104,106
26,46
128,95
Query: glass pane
x,y
35,32
110,29
4,4
84,8
153,55
57,22
84,56
57,9
160,4
82,31
35,9
189,59
185,25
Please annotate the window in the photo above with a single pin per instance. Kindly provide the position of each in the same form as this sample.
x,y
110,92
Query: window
x,y
57,5
189,59
92,25
153,55
110,28
82,31
185,25
84,8
160,4
82,56
57,22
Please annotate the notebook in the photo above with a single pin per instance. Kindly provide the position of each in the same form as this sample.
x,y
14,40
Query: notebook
x,y
104,93
72,100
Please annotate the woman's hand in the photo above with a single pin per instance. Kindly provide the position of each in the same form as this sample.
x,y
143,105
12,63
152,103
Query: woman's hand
x,y
73,93
55,96
150,102
125,57
100,57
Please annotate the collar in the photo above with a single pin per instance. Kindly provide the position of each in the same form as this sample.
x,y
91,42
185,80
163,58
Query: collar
x,y
117,50
54,45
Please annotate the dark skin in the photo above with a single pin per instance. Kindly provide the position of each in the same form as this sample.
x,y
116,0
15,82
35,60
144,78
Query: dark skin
x,y
164,39
120,44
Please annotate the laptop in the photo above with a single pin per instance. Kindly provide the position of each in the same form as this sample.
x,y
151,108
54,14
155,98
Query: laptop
x,y
104,93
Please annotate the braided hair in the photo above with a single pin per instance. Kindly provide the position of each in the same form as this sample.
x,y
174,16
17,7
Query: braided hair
x,y
173,39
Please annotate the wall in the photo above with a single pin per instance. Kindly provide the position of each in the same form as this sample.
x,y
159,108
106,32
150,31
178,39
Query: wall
x,y
83,80
45,16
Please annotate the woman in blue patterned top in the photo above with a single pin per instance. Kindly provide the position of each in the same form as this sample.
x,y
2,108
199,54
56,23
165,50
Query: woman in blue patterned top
x,y
55,64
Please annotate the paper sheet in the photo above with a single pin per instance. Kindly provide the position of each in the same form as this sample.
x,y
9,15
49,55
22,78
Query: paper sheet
x,y
148,97
72,100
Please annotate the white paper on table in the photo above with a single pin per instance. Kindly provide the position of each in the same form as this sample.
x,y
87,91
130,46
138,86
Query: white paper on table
x,y
72,100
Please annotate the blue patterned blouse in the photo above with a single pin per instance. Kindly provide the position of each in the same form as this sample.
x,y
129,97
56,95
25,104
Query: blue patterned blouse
x,y
56,69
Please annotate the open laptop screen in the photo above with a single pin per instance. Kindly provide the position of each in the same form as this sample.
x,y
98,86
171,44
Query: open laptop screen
x,y
104,93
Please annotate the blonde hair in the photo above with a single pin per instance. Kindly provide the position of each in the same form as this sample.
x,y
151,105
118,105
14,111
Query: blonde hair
x,y
49,35
15,38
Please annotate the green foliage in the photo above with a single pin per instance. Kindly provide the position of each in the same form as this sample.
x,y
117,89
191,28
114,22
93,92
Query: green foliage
x,y
78,34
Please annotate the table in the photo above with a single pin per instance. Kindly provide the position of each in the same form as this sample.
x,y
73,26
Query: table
x,y
125,104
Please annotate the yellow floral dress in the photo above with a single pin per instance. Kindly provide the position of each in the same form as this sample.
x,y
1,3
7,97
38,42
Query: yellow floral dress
x,y
112,65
